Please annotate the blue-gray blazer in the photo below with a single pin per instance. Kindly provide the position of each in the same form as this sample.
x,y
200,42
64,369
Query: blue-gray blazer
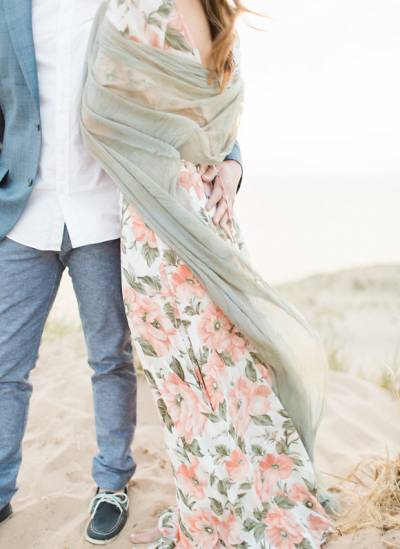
x,y
20,130
20,116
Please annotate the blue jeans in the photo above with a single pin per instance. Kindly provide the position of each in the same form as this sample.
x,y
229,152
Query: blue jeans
x,y
29,280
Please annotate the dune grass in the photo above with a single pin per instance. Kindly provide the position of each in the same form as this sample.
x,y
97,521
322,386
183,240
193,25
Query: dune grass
x,y
370,496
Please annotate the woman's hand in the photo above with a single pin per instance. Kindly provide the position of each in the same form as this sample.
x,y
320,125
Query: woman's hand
x,y
221,182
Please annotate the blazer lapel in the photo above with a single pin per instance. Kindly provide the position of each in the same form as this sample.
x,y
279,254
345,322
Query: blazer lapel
x,y
18,14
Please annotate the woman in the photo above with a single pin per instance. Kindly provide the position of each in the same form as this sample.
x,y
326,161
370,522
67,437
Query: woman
x,y
229,361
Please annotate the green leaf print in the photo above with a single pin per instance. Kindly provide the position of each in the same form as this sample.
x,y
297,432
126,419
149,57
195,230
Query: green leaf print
x,y
222,450
297,461
283,413
216,506
193,448
256,357
169,311
152,281
264,419
241,444
147,347
259,514
288,426
176,367
189,310
164,414
154,20
176,40
185,499
223,487
239,513
204,355
226,358
310,487
257,450
150,254
305,544
131,280
222,409
150,378
284,502
165,8
265,506
171,258
249,524
186,533
259,531
281,447
250,372
212,417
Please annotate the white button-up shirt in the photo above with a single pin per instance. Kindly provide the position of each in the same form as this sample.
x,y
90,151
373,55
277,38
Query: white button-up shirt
x,y
71,188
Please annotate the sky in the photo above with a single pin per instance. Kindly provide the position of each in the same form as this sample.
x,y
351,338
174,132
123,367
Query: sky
x,y
320,135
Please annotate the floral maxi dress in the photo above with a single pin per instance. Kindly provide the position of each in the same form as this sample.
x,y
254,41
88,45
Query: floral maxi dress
x,y
243,477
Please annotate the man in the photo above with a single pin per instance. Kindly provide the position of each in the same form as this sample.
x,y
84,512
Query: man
x,y
58,209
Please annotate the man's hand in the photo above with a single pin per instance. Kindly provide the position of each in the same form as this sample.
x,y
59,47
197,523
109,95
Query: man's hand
x,y
221,182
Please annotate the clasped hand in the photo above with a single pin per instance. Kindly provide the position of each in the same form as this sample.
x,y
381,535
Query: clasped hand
x,y
221,182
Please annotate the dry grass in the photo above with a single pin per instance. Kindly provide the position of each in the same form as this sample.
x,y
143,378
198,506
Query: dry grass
x,y
390,379
371,496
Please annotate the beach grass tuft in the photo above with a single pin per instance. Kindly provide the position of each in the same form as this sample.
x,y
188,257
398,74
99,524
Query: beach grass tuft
x,y
370,496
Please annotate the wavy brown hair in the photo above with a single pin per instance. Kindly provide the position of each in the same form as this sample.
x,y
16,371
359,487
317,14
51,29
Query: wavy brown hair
x,y
222,16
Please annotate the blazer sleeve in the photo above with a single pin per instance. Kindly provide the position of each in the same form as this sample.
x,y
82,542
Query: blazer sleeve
x,y
236,155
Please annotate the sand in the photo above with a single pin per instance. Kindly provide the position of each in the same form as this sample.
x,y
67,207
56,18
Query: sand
x,y
358,313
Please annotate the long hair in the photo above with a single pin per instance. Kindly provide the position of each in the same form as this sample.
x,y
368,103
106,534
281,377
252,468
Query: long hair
x,y
222,16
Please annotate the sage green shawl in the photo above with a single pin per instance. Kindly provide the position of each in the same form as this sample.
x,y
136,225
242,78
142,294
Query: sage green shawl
x,y
143,110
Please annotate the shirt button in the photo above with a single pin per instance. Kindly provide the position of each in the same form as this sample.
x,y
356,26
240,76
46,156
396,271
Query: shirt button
x,y
38,127
30,182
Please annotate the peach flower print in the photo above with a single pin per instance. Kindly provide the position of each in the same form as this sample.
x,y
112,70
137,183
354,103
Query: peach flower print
x,y
192,180
154,36
283,531
247,399
278,466
185,284
184,406
142,233
299,494
215,366
229,530
236,346
237,466
214,391
203,527
183,541
129,295
151,324
193,479
271,469
213,328
264,372
318,525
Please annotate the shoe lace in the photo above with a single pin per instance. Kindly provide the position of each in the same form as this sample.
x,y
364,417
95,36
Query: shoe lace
x,y
118,499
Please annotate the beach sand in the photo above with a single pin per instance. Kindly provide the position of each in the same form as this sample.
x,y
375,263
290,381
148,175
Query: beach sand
x,y
358,314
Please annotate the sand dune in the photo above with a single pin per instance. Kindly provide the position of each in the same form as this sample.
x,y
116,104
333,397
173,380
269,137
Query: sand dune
x,y
358,313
